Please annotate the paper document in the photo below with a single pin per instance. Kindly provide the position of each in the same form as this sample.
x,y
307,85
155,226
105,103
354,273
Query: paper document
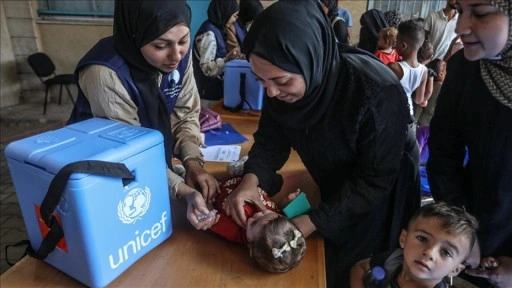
x,y
221,153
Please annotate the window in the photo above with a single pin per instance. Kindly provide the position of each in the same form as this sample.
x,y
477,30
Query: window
x,y
91,8
408,8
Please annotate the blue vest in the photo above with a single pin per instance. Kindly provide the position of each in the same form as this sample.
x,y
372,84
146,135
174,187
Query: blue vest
x,y
103,53
212,88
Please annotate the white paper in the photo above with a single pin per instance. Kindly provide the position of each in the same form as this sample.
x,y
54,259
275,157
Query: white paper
x,y
221,153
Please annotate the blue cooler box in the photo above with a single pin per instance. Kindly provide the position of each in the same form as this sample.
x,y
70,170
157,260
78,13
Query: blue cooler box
x,y
107,226
238,73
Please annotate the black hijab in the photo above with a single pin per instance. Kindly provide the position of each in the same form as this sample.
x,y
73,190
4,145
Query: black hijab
x,y
219,12
137,23
249,9
297,37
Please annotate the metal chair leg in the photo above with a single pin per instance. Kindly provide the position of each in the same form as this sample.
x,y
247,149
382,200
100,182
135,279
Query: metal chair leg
x,y
70,96
45,100
60,95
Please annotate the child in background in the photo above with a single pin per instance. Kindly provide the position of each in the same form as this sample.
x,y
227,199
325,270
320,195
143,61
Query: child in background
x,y
385,46
438,68
412,74
435,245
273,240
425,54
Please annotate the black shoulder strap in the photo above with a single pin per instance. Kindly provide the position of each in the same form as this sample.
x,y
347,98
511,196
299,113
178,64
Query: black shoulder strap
x,y
57,186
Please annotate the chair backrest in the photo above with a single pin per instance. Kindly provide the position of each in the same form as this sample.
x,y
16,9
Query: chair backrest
x,y
41,64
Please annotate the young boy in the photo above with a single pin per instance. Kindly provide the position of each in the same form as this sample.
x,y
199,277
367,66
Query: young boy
x,y
385,46
435,245
412,74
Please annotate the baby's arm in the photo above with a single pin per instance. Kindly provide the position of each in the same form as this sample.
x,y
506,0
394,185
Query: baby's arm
x,y
497,270
489,263
357,273
286,200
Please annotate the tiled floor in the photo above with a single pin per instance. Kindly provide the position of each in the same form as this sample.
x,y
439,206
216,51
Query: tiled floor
x,y
18,122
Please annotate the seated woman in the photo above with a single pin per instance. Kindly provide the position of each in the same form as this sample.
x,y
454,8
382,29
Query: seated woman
x,y
345,114
218,41
142,75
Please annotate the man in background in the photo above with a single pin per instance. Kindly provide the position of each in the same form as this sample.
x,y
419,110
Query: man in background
x,y
440,28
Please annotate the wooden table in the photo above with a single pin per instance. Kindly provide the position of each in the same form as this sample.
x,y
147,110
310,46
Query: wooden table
x,y
246,115
192,258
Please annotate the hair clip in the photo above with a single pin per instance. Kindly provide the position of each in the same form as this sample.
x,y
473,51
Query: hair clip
x,y
288,245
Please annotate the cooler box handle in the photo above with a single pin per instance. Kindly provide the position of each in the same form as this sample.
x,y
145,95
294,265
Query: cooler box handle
x,y
57,186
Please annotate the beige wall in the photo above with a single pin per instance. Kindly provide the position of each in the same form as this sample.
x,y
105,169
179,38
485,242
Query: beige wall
x,y
67,43
356,8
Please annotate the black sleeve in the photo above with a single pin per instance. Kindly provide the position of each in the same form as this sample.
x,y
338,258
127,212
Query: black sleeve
x,y
268,154
379,143
446,144
341,31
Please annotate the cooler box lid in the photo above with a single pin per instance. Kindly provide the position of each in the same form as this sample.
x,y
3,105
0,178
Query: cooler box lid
x,y
238,63
91,139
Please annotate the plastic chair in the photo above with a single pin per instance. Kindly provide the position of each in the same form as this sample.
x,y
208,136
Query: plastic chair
x,y
45,69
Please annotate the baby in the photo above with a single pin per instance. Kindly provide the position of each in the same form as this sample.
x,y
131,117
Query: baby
x,y
385,46
274,242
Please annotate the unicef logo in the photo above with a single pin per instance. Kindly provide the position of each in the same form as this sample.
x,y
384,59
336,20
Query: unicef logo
x,y
174,76
134,205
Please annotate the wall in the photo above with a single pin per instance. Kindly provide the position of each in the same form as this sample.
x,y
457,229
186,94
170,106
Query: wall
x,y
66,42
199,14
10,87
356,8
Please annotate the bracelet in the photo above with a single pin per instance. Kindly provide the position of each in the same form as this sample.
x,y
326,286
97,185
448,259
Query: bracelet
x,y
174,191
194,158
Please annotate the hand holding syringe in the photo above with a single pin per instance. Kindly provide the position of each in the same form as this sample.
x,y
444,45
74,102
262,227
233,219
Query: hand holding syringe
x,y
203,217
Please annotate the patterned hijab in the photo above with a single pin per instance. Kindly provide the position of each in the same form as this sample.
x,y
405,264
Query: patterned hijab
x,y
497,74
280,36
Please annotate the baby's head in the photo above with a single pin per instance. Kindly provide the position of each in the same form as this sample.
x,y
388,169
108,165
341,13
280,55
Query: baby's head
x,y
425,52
387,38
275,242
439,66
437,242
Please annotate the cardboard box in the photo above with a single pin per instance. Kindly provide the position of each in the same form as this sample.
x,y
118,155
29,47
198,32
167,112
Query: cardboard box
x,y
107,226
